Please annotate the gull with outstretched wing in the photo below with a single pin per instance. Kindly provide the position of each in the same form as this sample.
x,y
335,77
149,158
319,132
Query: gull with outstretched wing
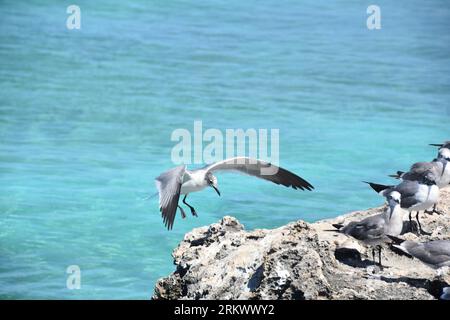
x,y
180,181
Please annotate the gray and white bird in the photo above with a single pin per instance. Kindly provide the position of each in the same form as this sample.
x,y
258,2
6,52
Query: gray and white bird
x,y
435,254
373,230
180,181
439,166
417,195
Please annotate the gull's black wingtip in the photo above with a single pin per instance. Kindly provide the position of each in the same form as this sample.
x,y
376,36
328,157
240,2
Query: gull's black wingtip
x,y
436,144
398,175
302,184
309,187
369,183
338,225
169,226
395,240
377,187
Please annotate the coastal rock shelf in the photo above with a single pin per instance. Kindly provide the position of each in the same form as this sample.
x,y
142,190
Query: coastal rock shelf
x,y
299,261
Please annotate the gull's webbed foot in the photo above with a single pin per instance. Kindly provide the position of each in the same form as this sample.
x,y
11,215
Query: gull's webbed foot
x,y
434,210
425,233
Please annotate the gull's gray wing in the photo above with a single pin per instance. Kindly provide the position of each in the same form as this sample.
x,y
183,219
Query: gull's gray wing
x,y
169,186
421,167
413,175
370,228
408,190
261,169
436,252
418,171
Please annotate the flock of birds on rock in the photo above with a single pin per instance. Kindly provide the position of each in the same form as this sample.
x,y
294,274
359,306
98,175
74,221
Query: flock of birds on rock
x,y
418,190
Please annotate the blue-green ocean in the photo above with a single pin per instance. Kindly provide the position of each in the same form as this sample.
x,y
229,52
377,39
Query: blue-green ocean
x,y
86,118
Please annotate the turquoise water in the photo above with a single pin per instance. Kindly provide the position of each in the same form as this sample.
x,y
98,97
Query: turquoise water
x,y
86,117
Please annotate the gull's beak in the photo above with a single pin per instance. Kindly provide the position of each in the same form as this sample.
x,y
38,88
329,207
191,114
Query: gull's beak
x,y
217,190
392,205
436,144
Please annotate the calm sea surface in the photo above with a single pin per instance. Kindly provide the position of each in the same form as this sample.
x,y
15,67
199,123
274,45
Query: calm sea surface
x,y
86,118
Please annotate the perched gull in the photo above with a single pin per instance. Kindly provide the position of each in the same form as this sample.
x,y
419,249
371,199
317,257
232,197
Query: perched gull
x,y
417,195
435,254
440,168
373,230
177,181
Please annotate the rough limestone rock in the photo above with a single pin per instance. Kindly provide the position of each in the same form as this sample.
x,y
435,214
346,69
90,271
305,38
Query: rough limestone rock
x,y
299,261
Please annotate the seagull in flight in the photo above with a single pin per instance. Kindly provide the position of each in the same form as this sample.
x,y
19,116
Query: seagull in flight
x,y
181,181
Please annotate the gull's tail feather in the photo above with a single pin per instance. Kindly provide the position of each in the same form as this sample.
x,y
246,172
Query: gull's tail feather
x,y
338,225
398,175
379,188
397,247
395,240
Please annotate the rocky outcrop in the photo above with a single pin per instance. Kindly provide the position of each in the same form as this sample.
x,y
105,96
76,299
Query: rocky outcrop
x,y
299,261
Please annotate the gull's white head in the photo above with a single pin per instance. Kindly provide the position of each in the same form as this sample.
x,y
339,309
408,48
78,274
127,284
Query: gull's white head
x,y
395,196
393,199
444,153
211,181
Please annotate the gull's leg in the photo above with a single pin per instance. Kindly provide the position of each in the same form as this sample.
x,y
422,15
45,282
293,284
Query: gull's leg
x,y
379,257
421,231
418,223
194,213
373,256
183,214
413,228
434,210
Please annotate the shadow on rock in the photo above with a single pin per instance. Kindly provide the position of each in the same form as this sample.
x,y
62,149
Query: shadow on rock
x,y
352,258
434,287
